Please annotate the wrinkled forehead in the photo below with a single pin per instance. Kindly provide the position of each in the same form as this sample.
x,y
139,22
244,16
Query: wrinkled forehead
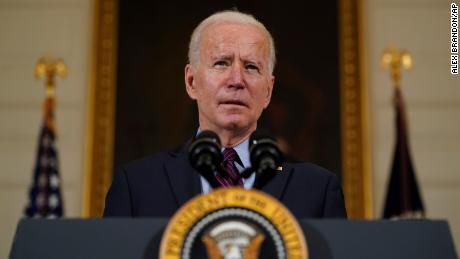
x,y
228,36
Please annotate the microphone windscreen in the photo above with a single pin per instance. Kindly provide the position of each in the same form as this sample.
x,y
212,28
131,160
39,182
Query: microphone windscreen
x,y
261,134
205,156
207,134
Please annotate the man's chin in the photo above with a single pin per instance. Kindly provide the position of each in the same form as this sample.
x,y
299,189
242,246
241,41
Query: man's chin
x,y
234,124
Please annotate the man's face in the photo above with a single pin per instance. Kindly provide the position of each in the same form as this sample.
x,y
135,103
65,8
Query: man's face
x,y
231,84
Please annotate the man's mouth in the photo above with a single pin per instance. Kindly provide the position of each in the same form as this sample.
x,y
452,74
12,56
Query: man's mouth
x,y
234,102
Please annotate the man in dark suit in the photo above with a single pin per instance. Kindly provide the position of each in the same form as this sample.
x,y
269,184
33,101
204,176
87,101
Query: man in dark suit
x,y
231,61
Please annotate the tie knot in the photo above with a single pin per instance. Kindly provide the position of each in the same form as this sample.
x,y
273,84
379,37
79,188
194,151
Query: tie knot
x,y
230,155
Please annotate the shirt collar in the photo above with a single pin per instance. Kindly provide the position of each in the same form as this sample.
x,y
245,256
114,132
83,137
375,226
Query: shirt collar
x,y
242,150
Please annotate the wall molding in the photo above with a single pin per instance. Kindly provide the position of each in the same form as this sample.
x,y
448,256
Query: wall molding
x,y
356,178
101,108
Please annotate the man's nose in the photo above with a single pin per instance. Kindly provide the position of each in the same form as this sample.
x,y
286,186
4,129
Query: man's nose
x,y
237,76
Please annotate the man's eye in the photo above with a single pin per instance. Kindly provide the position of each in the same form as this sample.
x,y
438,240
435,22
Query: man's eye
x,y
220,63
252,67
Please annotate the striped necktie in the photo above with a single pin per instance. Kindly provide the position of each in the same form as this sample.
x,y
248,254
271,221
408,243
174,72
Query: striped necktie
x,y
231,175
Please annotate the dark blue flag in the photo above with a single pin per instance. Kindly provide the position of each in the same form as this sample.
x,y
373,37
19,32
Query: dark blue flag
x,y
403,197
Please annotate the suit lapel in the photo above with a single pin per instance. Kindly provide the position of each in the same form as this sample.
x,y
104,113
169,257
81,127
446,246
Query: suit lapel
x,y
277,186
183,179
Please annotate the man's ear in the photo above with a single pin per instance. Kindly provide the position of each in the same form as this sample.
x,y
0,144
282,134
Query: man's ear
x,y
269,91
190,81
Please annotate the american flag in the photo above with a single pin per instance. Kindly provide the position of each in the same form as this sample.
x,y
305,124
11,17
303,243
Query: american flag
x,y
45,200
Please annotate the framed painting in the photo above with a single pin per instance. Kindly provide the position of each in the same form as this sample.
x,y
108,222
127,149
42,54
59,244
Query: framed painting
x,y
138,103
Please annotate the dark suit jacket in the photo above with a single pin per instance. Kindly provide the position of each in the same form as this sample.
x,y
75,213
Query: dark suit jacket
x,y
157,186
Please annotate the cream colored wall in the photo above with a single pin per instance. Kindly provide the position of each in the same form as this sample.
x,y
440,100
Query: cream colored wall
x,y
432,98
28,30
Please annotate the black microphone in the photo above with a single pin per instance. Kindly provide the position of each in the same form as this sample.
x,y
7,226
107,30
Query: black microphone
x,y
265,157
205,157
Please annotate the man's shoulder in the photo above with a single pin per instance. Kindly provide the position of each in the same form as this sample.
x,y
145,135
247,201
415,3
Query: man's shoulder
x,y
153,160
310,170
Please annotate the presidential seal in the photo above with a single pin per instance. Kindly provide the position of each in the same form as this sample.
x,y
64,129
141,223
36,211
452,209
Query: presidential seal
x,y
233,223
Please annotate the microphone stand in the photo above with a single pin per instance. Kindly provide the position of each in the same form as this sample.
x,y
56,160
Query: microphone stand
x,y
206,169
263,176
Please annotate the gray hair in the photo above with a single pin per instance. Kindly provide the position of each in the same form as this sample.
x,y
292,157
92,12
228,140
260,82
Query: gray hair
x,y
232,17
